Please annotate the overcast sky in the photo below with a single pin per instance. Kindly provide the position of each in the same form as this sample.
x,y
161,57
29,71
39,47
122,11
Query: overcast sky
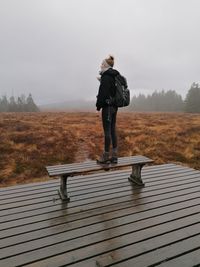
x,y
53,48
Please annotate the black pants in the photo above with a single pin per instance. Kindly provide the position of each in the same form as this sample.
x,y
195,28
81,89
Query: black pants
x,y
109,115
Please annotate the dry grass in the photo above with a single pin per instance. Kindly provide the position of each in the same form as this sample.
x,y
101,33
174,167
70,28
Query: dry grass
x,y
30,141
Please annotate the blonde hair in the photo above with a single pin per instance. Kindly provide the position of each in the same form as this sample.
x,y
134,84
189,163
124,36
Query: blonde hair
x,y
110,60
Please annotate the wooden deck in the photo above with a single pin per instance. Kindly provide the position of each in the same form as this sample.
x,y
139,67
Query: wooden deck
x,y
108,221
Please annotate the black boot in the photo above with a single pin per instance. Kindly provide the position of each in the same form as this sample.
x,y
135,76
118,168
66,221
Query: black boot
x,y
114,158
104,159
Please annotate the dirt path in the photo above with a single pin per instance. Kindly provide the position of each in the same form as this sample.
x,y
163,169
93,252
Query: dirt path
x,y
82,150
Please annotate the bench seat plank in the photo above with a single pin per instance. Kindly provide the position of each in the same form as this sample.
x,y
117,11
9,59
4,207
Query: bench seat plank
x,y
78,168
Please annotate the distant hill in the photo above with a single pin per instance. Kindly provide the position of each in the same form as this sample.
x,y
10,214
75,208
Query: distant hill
x,y
75,105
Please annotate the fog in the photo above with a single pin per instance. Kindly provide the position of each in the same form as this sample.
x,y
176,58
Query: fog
x,y
53,48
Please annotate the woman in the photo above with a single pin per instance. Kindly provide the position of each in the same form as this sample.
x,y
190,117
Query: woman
x,y
107,90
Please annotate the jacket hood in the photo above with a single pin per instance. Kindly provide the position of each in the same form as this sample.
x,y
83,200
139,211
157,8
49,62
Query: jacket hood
x,y
111,72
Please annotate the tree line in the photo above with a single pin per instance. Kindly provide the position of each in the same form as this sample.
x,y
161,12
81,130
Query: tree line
x,y
21,104
162,101
168,101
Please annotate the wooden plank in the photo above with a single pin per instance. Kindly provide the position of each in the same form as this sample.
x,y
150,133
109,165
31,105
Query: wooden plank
x,y
125,224
27,186
191,258
99,197
26,225
159,251
94,163
87,197
109,221
104,241
89,203
59,217
40,185
94,181
76,179
86,167
93,223
37,185
7,191
122,177
89,185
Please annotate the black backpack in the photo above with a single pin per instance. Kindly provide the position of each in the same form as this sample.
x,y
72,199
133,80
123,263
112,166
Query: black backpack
x,y
122,96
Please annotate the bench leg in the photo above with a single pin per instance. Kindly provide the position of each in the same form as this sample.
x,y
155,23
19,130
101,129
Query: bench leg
x,y
63,188
135,176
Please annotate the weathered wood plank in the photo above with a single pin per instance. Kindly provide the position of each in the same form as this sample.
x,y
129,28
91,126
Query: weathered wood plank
x,y
96,202
158,251
51,183
109,221
76,168
128,159
54,218
94,182
7,220
191,258
121,177
86,187
99,243
93,224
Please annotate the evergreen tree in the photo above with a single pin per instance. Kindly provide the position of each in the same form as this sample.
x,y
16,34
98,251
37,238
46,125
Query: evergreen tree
x,y
30,105
158,101
12,105
22,104
192,101
4,104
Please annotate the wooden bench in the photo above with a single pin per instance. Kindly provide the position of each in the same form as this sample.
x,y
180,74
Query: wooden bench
x,y
70,170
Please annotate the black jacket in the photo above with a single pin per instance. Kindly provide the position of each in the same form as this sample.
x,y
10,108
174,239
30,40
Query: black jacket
x,y
107,88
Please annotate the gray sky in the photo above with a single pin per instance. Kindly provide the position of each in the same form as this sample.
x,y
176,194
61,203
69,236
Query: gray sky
x,y
53,48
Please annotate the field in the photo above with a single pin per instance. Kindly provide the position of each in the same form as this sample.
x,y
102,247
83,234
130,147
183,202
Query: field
x,y
31,141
